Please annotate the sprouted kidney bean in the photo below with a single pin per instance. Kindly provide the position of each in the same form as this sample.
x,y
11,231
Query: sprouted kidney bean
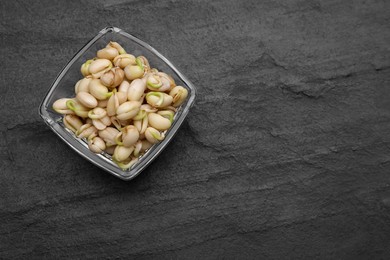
x,y
122,106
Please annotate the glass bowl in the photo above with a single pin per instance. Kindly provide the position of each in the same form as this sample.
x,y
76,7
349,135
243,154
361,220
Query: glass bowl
x,y
63,86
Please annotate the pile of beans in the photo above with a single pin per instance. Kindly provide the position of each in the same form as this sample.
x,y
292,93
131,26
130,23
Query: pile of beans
x,y
122,106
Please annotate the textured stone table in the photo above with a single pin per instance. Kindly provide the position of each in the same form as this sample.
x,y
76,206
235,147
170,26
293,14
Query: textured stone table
x,y
286,153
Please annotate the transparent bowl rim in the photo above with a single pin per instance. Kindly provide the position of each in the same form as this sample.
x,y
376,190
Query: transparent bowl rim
x,y
116,171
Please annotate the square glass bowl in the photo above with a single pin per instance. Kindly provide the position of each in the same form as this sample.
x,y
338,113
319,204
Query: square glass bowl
x,y
63,86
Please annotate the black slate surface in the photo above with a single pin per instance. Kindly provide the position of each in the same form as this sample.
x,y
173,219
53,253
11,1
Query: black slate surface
x,y
285,154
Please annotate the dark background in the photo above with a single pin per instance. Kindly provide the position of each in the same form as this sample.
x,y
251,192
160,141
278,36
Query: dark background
x,y
285,154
